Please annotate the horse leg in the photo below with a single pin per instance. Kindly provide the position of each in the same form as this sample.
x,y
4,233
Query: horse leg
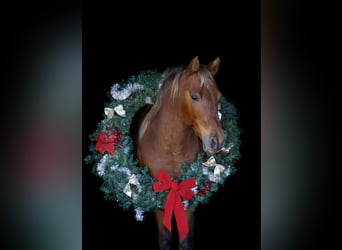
x,y
164,236
187,242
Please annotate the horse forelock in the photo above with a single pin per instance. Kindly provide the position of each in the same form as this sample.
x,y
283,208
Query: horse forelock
x,y
172,80
205,76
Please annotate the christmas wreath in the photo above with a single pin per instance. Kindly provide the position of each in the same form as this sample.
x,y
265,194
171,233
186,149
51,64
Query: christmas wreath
x,y
113,157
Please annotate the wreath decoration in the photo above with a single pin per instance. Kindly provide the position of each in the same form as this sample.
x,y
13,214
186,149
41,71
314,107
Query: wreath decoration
x,y
113,157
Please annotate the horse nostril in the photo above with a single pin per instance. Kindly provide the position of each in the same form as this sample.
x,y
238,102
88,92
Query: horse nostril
x,y
214,142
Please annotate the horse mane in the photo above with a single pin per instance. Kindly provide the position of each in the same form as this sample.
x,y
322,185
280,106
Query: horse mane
x,y
171,80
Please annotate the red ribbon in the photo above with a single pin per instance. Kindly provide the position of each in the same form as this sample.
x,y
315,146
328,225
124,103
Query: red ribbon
x,y
174,200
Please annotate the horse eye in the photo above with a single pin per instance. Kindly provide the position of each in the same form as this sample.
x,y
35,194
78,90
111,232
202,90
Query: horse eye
x,y
195,97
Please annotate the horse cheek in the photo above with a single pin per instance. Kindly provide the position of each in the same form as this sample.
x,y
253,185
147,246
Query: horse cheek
x,y
186,112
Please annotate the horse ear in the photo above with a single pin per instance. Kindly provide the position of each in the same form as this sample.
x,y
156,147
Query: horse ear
x,y
214,65
194,65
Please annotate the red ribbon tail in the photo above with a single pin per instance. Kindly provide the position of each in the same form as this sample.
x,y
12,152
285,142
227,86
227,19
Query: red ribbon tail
x,y
169,204
181,222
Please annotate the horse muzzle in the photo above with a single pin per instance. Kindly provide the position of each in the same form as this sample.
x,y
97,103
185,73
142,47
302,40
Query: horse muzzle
x,y
212,144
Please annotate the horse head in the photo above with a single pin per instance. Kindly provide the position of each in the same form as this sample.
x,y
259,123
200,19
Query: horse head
x,y
199,103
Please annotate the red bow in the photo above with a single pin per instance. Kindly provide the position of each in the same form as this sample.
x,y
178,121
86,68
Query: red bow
x,y
107,142
174,200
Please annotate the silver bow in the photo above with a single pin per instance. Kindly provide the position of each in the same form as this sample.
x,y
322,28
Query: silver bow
x,y
132,180
118,109
211,162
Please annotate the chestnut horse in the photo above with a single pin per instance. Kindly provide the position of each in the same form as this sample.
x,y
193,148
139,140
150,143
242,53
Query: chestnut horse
x,y
180,124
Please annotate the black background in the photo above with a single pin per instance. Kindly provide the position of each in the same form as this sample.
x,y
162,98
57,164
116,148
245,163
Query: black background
x,y
119,41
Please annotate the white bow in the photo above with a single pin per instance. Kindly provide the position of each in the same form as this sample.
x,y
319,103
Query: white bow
x,y
118,109
132,180
211,162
